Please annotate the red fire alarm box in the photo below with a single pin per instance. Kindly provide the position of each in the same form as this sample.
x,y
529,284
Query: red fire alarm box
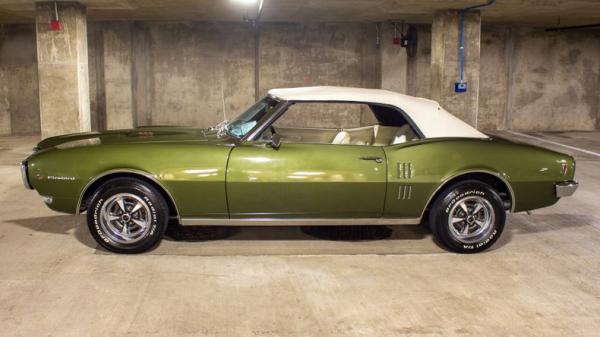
x,y
55,25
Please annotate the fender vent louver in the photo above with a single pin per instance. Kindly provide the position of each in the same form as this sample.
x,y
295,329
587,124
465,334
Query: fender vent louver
x,y
404,192
405,170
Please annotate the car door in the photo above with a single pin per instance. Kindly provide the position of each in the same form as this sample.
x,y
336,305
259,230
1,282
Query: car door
x,y
300,180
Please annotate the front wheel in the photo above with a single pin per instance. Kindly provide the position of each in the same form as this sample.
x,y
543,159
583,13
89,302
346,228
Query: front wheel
x,y
127,215
467,217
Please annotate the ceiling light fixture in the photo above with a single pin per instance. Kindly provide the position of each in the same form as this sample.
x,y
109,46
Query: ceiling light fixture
x,y
246,2
249,3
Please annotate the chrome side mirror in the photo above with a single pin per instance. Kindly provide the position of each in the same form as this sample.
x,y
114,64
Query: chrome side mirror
x,y
275,141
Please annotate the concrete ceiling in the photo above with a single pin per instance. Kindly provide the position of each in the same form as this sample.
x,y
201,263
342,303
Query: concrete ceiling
x,y
520,12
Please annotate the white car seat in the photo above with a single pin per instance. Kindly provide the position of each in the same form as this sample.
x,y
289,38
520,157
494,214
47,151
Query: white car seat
x,y
342,137
400,136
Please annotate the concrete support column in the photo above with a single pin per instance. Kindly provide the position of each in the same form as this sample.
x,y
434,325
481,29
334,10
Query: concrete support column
x,y
5,127
445,67
117,75
63,69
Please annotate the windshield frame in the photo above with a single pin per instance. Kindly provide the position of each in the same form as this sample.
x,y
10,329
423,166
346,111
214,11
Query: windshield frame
x,y
259,122
267,120
263,122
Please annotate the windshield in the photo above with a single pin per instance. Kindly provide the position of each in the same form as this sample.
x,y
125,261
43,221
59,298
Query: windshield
x,y
245,122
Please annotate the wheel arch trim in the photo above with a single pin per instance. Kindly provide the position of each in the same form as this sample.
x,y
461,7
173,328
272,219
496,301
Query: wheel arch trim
x,y
130,172
449,178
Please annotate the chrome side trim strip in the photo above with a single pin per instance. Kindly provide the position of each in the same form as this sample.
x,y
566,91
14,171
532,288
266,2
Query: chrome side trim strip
x,y
443,184
141,173
298,222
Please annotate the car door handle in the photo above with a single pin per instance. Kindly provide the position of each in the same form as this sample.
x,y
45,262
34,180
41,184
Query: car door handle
x,y
376,159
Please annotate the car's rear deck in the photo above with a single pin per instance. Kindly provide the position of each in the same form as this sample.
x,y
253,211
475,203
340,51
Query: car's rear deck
x,y
541,278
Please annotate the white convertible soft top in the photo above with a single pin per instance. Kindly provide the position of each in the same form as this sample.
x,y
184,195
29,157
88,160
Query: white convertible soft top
x,y
429,117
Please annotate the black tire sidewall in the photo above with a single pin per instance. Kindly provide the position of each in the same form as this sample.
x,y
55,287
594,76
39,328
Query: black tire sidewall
x,y
155,202
448,198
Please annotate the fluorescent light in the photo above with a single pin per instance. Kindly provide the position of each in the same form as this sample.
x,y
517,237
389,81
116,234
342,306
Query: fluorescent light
x,y
246,2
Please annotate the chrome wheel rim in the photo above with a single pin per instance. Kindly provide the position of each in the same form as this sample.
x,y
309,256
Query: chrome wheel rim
x,y
125,218
471,219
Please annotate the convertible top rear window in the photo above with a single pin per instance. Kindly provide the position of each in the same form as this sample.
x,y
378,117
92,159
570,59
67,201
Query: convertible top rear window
x,y
387,116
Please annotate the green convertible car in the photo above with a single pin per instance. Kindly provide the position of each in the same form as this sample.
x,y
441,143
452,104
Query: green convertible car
x,y
301,156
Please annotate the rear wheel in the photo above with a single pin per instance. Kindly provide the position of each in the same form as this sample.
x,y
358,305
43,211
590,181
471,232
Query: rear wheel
x,y
127,215
467,217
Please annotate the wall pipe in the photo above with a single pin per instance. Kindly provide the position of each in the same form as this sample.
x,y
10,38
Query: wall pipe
x,y
462,35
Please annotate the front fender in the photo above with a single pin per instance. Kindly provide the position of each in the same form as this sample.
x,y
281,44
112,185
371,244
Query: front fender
x,y
192,172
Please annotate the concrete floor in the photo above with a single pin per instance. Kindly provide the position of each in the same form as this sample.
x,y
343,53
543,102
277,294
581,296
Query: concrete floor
x,y
542,278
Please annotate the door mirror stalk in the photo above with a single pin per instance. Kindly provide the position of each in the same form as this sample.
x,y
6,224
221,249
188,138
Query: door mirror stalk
x,y
275,141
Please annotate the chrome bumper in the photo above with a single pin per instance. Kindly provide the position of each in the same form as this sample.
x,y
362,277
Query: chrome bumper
x,y
24,175
565,188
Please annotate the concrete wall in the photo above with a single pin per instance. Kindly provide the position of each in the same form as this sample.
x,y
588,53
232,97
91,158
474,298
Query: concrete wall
x,y
118,89
96,74
530,79
394,60
19,104
200,73
493,80
556,80
293,55
324,54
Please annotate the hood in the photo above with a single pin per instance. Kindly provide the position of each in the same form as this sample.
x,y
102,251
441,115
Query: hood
x,y
151,134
